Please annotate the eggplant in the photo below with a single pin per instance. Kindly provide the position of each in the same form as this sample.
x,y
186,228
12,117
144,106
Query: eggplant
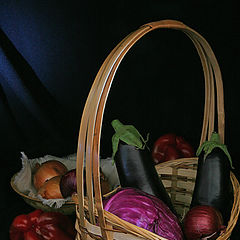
x,y
213,184
134,163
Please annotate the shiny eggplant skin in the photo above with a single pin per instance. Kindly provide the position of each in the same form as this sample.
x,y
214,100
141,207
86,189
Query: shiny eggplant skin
x,y
136,169
213,184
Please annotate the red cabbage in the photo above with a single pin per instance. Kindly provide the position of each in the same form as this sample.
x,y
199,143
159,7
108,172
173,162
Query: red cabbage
x,y
145,211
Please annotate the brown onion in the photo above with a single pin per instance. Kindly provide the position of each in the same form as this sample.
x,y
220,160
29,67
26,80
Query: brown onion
x,y
48,170
51,188
203,221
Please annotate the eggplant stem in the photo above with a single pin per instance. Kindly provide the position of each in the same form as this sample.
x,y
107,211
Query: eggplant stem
x,y
128,134
213,143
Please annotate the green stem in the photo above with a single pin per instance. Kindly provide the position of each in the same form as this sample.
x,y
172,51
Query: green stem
x,y
215,138
214,142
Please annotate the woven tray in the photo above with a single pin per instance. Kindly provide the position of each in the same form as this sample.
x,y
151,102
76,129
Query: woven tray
x,y
178,175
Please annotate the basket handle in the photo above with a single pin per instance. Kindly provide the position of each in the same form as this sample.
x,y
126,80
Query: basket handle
x,y
91,122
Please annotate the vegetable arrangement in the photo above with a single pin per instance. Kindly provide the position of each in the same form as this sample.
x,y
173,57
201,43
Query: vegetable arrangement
x,y
212,198
40,225
142,198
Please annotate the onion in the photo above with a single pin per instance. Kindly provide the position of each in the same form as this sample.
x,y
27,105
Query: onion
x,y
68,183
203,222
48,170
51,188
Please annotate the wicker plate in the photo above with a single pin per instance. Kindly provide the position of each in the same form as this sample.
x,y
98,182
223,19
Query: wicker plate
x,y
68,208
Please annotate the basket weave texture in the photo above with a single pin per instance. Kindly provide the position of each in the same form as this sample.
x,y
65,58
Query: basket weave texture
x,y
178,176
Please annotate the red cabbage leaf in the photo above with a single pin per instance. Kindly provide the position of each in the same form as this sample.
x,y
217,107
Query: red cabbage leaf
x,y
145,211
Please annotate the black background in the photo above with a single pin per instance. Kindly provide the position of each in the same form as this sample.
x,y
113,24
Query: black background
x,y
51,52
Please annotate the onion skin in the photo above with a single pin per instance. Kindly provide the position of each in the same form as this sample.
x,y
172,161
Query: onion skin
x,y
68,183
51,188
48,170
203,221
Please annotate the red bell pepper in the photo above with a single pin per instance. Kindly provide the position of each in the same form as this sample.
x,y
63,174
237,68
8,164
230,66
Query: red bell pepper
x,y
40,225
171,147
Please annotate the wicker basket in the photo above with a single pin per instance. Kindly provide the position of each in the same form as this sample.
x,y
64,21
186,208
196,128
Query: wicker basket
x,y
178,175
